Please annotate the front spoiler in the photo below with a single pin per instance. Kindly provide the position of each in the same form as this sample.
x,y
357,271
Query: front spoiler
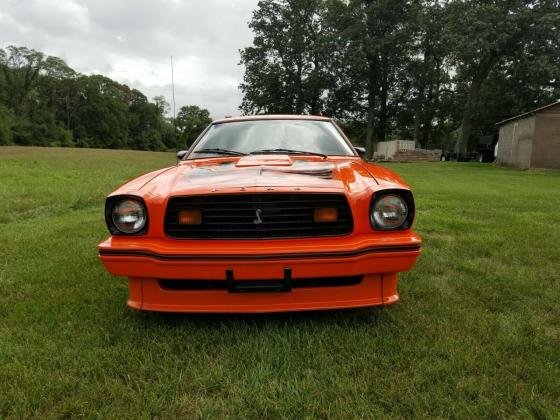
x,y
374,290
146,262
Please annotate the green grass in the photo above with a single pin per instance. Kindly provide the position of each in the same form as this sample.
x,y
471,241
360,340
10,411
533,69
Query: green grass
x,y
477,331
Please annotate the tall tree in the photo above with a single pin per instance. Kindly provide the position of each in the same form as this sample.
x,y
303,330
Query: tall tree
x,y
191,121
161,104
484,34
412,68
427,68
21,68
101,117
45,102
379,41
286,67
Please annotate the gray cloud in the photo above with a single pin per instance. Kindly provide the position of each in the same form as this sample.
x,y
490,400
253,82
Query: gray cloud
x,y
131,41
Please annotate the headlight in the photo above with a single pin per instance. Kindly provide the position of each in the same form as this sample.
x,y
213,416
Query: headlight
x,y
389,212
129,216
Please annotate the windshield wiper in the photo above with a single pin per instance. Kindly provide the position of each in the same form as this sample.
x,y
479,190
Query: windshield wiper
x,y
288,151
219,151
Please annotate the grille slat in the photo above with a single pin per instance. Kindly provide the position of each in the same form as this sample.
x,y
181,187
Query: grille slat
x,y
249,225
243,212
282,216
210,217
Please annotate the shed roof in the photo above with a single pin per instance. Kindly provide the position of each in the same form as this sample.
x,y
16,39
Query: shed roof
x,y
527,114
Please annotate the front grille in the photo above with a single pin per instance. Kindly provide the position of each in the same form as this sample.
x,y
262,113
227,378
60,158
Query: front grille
x,y
235,216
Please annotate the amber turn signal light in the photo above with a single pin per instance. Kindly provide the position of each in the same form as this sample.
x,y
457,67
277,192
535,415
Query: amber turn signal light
x,y
190,217
326,215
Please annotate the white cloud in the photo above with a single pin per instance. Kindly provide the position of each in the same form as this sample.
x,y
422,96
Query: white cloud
x,y
53,17
131,41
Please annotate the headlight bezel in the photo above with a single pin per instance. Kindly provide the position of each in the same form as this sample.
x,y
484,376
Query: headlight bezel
x,y
406,196
112,202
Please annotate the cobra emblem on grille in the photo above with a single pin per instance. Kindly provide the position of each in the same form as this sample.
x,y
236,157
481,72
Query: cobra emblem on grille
x,y
258,220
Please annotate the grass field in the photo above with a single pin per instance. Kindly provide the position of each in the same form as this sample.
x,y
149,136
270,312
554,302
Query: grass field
x,y
477,331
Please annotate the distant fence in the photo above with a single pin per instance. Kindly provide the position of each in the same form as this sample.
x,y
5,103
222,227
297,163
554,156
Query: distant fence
x,y
387,149
404,151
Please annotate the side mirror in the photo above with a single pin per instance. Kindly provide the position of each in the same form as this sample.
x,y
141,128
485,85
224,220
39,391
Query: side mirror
x,y
181,154
361,151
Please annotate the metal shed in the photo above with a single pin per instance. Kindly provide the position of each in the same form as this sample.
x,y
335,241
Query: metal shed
x,y
531,140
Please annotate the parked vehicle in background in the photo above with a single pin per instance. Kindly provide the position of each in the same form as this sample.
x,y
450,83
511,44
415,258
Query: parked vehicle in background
x,y
483,151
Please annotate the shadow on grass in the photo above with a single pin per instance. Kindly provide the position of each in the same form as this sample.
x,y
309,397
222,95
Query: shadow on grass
x,y
337,318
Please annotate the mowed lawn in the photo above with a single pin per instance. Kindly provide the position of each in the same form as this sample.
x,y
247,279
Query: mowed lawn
x,y
476,333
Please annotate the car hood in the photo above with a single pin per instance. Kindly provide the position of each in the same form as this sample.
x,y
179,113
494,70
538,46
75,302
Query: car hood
x,y
272,171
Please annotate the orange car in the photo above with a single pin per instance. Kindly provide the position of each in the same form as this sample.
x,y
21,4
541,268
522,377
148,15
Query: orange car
x,y
262,214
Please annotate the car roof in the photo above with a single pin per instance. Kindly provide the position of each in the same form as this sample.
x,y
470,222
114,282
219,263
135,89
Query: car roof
x,y
272,117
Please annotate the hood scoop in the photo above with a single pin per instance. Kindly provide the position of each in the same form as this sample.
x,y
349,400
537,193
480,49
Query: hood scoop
x,y
264,160
276,171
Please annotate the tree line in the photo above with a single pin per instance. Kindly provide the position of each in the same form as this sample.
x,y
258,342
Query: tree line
x,y
441,72
44,102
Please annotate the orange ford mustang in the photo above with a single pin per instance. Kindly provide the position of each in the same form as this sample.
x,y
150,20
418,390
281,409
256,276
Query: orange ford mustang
x,y
262,214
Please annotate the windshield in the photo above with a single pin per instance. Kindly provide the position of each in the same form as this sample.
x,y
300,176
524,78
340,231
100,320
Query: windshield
x,y
271,136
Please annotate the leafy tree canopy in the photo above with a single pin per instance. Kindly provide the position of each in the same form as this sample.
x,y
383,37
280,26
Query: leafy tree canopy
x,y
44,102
432,71
191,121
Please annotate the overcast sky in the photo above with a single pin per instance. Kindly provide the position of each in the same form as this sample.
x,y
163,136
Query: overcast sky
x,y
131,41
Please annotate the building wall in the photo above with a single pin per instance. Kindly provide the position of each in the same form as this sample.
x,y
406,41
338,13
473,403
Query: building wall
x,y
546,146
515,145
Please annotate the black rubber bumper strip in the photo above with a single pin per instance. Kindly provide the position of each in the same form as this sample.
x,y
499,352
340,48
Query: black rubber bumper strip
x,y
213,257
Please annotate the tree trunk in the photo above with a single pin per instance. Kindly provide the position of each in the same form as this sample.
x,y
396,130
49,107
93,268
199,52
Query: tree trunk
x,y
371,144
316,90
466,129
428,114
314,106
67,113
432,102
426,131
382,126
417,116
467,121
481,73
300,101
373,84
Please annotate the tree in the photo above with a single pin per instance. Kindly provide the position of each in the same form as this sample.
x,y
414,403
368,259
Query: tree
x,y
101,115
21,68
483,34
428,70
32,84
286,67
162,106
191,121
44,102
419,69
376,37
6,124
55,88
